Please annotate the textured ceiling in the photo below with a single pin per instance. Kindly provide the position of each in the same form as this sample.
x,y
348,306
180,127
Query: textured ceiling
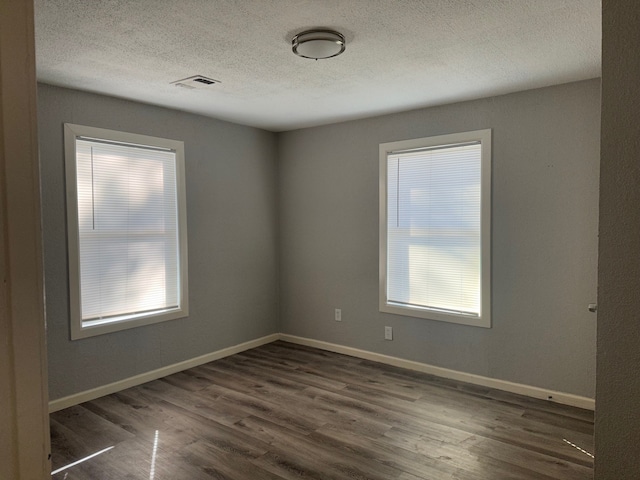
x,y
401,54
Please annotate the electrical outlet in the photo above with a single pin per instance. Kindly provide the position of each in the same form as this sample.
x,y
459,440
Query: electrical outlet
x,y
338,315
388,333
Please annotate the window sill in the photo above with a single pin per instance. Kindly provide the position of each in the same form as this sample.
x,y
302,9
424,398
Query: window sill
x,y
440,316
92,328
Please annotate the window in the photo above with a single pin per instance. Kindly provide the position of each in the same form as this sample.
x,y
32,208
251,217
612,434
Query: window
x,y
126,218
435,207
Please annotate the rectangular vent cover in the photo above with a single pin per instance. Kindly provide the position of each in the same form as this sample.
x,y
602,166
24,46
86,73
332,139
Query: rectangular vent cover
x,y
197,81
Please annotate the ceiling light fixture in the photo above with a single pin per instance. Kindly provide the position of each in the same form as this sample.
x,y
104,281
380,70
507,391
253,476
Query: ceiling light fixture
x,y
318,44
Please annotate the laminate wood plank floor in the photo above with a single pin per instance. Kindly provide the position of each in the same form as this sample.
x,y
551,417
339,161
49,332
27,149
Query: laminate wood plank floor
x,y
285,411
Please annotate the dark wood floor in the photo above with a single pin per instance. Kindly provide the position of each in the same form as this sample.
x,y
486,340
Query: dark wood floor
x,y
287,411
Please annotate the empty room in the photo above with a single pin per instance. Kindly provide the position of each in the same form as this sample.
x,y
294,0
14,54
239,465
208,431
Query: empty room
x,y
291,239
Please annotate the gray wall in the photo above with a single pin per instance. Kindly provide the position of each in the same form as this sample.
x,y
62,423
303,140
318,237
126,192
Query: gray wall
x,y
231,173
310,197
618,372
545,219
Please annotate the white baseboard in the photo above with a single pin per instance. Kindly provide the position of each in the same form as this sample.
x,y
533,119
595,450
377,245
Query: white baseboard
x,y
519,388
94,393
530,391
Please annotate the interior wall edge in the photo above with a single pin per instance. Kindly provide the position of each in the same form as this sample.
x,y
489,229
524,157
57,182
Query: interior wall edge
x,y
101,391
504,385
512,387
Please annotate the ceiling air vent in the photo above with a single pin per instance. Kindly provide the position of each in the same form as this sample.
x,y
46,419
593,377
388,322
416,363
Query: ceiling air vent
x,y
197,81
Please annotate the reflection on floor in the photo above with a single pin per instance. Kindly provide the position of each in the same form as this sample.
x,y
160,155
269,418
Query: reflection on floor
x,y
283,411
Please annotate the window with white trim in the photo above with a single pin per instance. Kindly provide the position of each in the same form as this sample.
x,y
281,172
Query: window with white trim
x,y
435,227
127,236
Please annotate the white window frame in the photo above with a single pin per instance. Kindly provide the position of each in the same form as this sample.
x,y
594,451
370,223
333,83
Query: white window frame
x,y
80,329
484,318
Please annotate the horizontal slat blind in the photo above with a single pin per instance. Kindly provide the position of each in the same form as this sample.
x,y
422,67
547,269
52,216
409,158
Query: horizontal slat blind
x,y
128,229
433,228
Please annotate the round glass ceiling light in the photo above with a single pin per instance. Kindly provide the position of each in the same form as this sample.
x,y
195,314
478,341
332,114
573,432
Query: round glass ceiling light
x,y
317,44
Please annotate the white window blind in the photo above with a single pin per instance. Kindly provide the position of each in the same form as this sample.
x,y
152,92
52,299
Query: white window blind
x,y
128,229
433,228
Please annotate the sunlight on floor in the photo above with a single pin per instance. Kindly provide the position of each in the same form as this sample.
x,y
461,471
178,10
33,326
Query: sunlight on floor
x,y
152,472
62,469
578,448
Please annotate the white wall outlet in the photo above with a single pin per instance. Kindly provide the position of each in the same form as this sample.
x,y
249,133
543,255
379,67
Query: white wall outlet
x,y
338,315
388,333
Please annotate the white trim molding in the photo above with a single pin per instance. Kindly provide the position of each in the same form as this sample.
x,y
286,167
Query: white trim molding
x,y
136,380
519,388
